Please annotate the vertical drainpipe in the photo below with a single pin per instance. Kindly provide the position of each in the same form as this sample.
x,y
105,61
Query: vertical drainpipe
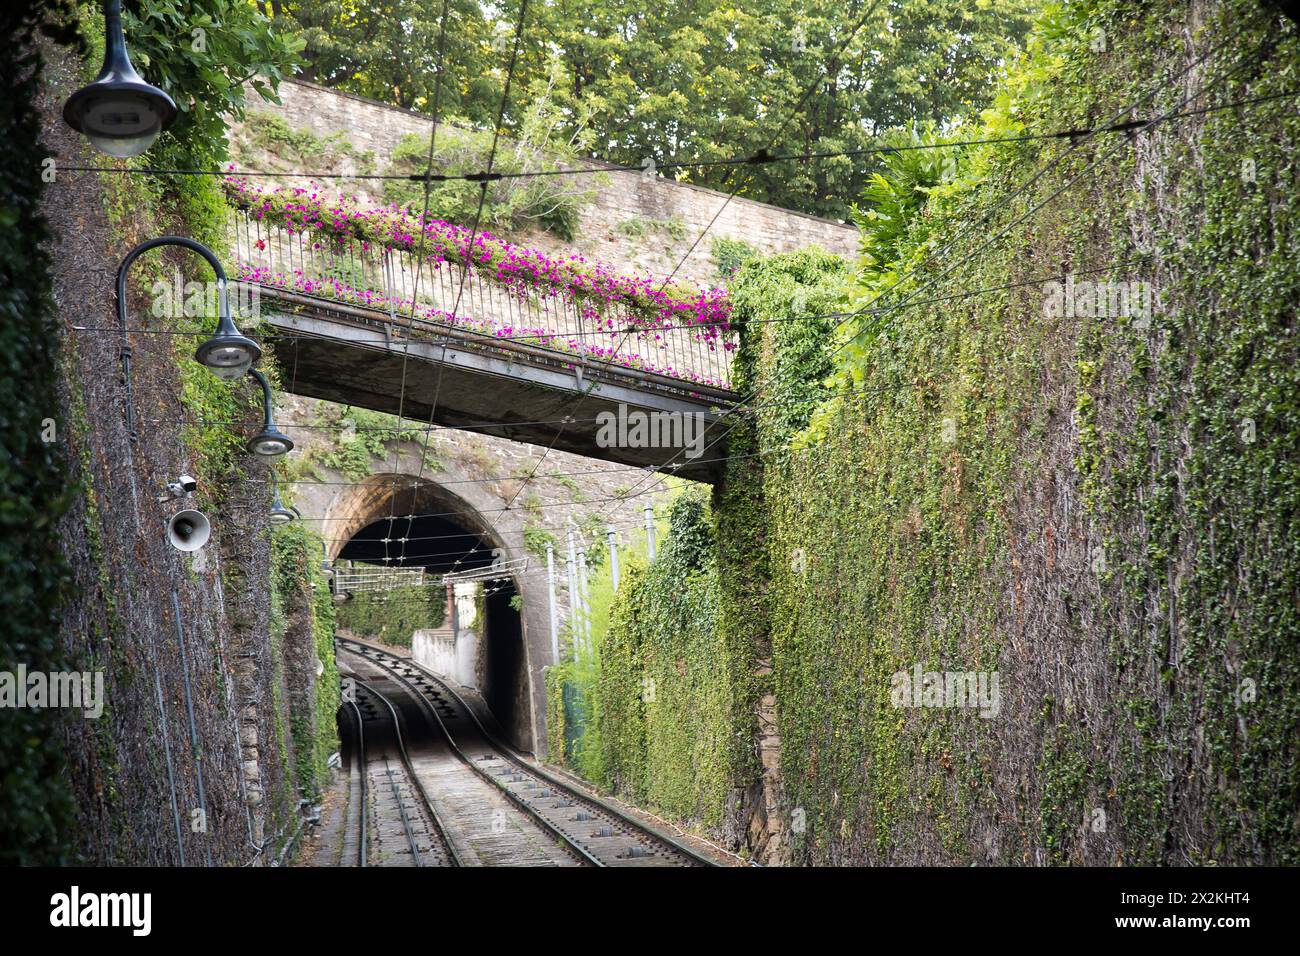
x,y
550,592
650,531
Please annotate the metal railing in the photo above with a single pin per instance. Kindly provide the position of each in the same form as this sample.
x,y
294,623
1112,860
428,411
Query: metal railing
x,y
353,579
591,334
498,571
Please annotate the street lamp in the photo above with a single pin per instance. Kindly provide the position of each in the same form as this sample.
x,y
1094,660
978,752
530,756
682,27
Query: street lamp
x,y
227,353
270,442
279,513
119,113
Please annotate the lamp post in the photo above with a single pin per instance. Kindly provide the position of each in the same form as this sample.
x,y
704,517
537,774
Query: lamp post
x,y
279,514
119,113
270,442
228,353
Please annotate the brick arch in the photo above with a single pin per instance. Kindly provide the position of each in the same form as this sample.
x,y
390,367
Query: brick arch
x,y
383,494
405,488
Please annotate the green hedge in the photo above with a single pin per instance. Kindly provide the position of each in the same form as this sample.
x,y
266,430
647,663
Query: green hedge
x,y
394,616
35,806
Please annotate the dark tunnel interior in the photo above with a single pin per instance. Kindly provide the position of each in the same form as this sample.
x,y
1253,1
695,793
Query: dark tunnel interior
x,y
443,546
433,542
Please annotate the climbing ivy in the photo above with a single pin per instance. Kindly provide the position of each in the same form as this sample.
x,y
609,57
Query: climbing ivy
x,y
35,806
997,484
393,616
1095,504
301,601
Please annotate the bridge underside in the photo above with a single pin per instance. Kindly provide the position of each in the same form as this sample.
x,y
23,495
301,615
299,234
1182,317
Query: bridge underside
x,y
513,390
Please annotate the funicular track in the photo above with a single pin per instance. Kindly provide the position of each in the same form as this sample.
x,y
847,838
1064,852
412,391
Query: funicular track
x,y
394,823
588,831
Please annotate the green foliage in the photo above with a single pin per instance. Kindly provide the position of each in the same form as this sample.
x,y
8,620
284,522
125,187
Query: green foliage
x,y
511,205
393,616
537,539
203,53
388,50
359,437
35,806
680,81
730,254
645,712
673,228
301,599
665,678
299,148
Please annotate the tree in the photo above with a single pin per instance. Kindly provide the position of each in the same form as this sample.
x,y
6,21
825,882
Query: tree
x,y
388,50
688,82
202,53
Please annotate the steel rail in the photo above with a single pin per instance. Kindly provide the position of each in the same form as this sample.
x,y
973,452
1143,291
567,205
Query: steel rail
x,y
440,831
360,769
509,755
564,840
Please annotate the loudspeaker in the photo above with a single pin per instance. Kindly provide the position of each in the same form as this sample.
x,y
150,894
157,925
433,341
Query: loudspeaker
x,y
188,530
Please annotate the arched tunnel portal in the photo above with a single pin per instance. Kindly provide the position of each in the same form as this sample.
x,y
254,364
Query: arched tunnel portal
x,y
406,521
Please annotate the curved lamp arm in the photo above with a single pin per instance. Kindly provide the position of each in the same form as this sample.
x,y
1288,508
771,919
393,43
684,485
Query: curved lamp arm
x,y
270,442
265,382
125,352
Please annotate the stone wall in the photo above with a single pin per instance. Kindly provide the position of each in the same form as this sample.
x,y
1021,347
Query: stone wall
x,y
620,196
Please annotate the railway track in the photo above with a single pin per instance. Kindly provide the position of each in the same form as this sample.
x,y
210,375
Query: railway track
x,y
391,821
526,799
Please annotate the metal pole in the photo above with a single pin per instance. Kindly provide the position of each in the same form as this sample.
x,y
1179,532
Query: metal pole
x,y
650,531
613,554
583,598
575,599
550,591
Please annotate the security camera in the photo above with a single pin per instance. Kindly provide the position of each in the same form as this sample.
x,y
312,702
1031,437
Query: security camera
x,y
182,486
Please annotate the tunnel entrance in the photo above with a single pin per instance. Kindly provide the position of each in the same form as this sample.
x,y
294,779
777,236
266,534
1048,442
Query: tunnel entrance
x,y
505,670
469,631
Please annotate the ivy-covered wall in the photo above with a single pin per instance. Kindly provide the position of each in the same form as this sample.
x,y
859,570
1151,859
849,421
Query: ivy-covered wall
x,y
1093,502
656,692
35,805
193,759
1056,449
302,625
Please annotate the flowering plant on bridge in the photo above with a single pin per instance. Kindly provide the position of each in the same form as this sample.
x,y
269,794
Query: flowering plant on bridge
x,y
589,285
334,288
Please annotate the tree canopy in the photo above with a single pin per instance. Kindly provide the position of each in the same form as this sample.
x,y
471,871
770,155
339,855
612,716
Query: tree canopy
x,y
683,82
